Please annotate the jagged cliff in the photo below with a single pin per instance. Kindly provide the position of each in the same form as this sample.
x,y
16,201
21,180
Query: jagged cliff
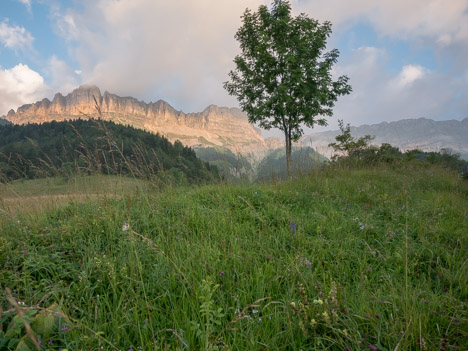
x,y
215,126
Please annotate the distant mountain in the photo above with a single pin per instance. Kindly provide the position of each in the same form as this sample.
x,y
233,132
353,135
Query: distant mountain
x,y
422,133
303,160
224,136
213,127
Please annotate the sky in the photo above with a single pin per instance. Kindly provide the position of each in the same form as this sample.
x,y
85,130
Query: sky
x,y
404,58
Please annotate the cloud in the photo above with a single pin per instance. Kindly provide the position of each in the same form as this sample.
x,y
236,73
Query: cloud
x,y
26,3
15,37
61,77
180,51
415,91
19,85
409,74
445,21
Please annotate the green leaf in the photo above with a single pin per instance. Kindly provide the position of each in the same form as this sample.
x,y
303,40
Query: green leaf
x,y
22,345
44,324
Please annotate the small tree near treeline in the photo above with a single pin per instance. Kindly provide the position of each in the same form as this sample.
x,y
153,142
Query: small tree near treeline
x,y
283,76
347,145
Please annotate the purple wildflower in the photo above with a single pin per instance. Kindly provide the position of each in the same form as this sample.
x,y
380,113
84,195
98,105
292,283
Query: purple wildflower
x,y
292,225
64,329
50,341
307,262
222,273
373,347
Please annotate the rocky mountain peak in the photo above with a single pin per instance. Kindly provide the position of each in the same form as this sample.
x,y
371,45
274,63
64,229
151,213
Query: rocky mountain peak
x,y
214,126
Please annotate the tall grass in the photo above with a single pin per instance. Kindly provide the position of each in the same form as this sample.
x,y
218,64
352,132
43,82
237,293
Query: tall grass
x,y
340,259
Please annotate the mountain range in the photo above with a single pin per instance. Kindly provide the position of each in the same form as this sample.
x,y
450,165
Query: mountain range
x,y
213,127
225,128
407,134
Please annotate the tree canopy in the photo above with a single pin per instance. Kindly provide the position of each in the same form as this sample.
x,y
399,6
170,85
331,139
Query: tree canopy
x,y
95,146
283,76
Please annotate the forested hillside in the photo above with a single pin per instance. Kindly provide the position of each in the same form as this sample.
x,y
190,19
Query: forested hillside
x,y
95,146
4,122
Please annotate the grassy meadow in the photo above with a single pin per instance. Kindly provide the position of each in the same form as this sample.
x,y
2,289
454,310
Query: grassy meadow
x,y
364,259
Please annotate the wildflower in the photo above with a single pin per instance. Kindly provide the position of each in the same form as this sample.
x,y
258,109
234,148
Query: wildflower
x,y
307,262
64,329
259,319
50,341
26,252
255,311
326,317
373,347
125,226
292,225
318,302
361,225
313,322
377,315
221,273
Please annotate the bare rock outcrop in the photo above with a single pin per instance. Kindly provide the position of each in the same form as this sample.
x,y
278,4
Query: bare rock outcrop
x,y
215,126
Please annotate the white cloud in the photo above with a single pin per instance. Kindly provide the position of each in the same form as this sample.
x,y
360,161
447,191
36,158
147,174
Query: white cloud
x,y
15,37
19,85
415,91
26,3
180,51
440,19
61,77
409,74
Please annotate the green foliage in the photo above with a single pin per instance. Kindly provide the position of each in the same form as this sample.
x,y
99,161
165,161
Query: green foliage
x,y
348,145
91,146
211,315
47,326
383,248
357,152
303,161
4,122
231,166
283,77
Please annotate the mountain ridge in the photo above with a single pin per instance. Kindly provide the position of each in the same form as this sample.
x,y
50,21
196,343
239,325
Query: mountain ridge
x,y
228,127
214,126
406,134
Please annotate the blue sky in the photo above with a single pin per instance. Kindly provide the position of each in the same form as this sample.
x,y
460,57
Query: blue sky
x,y
405,59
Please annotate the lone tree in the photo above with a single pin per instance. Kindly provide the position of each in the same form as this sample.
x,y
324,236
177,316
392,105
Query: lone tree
x,y
282,77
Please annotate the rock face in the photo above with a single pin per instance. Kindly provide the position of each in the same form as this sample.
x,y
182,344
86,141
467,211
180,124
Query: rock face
x,y
229,127
422,133
215,126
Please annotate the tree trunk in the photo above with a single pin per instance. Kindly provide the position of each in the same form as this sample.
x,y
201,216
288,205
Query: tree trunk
x,y
288,155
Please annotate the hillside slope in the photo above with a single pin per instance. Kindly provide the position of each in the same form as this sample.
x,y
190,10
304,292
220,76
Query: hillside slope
x,y
340,259
91,146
